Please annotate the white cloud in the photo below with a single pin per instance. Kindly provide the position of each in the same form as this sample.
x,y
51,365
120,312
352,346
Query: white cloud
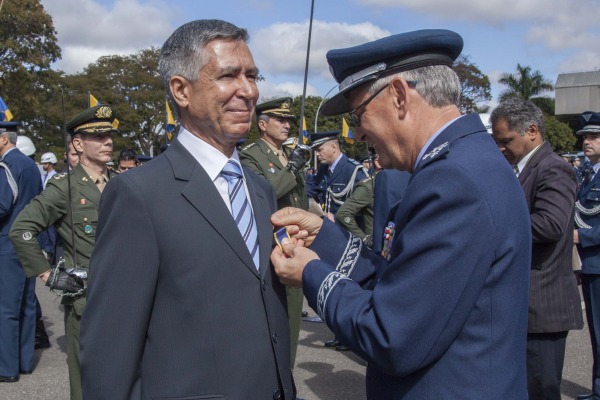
x,y
87,29
280,49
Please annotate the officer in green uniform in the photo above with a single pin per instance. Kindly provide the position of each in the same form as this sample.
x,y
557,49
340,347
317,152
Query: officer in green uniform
x,y
284,167
75,220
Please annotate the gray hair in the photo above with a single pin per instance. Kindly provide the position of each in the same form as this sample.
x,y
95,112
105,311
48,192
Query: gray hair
x,y
437,84
183,52
262,117
12,136
519,115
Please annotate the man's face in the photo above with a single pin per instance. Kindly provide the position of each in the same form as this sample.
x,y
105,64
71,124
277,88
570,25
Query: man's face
x,y
125,165
591,147
94,149
4,144
219,105
512,145
47,167
277,130
72,158
327,152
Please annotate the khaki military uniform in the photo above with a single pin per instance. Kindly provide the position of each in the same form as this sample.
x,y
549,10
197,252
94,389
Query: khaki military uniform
x,y
290,190
51,208
356,214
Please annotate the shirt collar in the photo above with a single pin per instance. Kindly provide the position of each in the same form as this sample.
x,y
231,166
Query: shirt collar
x,y
337,160
209,157
521,165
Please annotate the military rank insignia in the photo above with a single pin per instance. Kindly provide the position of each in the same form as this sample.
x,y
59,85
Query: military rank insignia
x,y
388,238
271,169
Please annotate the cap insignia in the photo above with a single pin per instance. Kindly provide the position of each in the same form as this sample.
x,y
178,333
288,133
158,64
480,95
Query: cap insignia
x,y
104,112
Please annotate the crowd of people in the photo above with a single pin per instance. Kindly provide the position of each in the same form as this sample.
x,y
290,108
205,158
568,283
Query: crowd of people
x,y
186,278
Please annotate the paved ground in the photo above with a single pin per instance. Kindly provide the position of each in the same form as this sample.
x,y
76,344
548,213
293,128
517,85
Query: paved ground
x,y
320,373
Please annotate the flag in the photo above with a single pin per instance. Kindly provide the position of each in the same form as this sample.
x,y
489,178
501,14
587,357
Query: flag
x,y
346,132
304,132
5,114
93,102
170,121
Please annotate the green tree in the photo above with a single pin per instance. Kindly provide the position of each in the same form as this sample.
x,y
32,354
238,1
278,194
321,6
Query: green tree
x,y
28,47
524,84
475,86
559,135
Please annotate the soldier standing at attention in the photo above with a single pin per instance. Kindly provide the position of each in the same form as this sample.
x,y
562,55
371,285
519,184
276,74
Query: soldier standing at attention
x,y
284,168
91,137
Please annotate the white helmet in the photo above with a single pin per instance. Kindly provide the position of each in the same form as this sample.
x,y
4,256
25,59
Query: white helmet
x,y
25,145
485,118
48,158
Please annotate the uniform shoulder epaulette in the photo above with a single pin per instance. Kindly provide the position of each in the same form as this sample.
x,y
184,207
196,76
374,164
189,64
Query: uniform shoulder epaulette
x,y
249,146
60,176
436,153
366,180
353,161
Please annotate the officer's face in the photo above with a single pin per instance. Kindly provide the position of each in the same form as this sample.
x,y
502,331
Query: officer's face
x,y
219,105
591,147
326,153
277,130
125,165
94,149
513,145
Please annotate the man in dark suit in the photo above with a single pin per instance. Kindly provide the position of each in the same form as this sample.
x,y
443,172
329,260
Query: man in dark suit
x,y
587,238
445,315
182,299
549,185
20,181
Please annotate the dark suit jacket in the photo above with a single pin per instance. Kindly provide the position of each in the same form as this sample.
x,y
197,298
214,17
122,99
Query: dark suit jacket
x,y
550,188
176,307
446,317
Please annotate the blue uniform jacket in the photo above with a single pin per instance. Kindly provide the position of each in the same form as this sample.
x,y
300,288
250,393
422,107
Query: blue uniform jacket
x,y
28,178
317,185
589,238
446,317
390,185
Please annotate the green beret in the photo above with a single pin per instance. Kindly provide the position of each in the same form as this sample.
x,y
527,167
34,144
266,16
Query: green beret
x,y
94,120
277,108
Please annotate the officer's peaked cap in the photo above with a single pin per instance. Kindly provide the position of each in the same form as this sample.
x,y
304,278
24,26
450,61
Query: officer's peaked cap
x,y
94,120
354,66
590,121
278,108
318,138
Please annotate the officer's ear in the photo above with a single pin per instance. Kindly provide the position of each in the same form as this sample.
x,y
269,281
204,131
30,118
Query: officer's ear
x,y
180,89
77,144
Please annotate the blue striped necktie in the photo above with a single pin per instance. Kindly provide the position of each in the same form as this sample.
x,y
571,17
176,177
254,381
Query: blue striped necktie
x,y
240,208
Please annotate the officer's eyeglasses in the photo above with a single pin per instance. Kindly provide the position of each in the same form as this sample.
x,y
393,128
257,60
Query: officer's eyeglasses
x,y
355,118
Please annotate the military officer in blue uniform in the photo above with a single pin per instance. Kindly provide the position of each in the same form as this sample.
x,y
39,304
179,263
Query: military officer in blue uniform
x,y
75,220
444,316
587,238
20,181
337,176
285,168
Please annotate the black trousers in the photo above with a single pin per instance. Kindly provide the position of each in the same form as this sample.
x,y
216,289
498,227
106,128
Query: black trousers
x,y
545,359
590,286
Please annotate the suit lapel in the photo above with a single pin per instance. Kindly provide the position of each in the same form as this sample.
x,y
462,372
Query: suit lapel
x,y
202,194
533,162
262,216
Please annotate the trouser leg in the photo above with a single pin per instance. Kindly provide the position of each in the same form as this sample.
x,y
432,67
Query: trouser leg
x,y
72,322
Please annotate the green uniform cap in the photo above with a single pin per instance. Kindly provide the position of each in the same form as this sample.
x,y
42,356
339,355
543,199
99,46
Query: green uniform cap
x,y
277,108
94,120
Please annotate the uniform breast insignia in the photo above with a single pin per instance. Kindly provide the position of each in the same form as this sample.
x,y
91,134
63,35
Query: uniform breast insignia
x,y
85,179
441,149
271,169
388,239
82,202
88,229
27,236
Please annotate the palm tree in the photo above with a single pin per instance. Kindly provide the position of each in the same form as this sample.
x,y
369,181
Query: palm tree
x,y
524,84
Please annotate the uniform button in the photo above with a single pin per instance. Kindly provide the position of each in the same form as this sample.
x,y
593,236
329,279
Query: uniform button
x,y
277,394
275,337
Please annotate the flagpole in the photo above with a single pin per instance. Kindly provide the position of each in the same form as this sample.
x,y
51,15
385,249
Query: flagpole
x,y
1,3
312,7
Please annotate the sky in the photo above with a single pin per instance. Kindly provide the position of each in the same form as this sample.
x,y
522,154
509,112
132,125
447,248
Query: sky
x,y
552,36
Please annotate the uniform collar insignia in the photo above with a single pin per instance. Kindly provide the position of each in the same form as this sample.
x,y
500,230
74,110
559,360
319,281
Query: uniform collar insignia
x,y
442,148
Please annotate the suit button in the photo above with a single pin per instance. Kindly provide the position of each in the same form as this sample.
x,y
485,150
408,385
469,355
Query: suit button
x,y
264,285
275,337
277,394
